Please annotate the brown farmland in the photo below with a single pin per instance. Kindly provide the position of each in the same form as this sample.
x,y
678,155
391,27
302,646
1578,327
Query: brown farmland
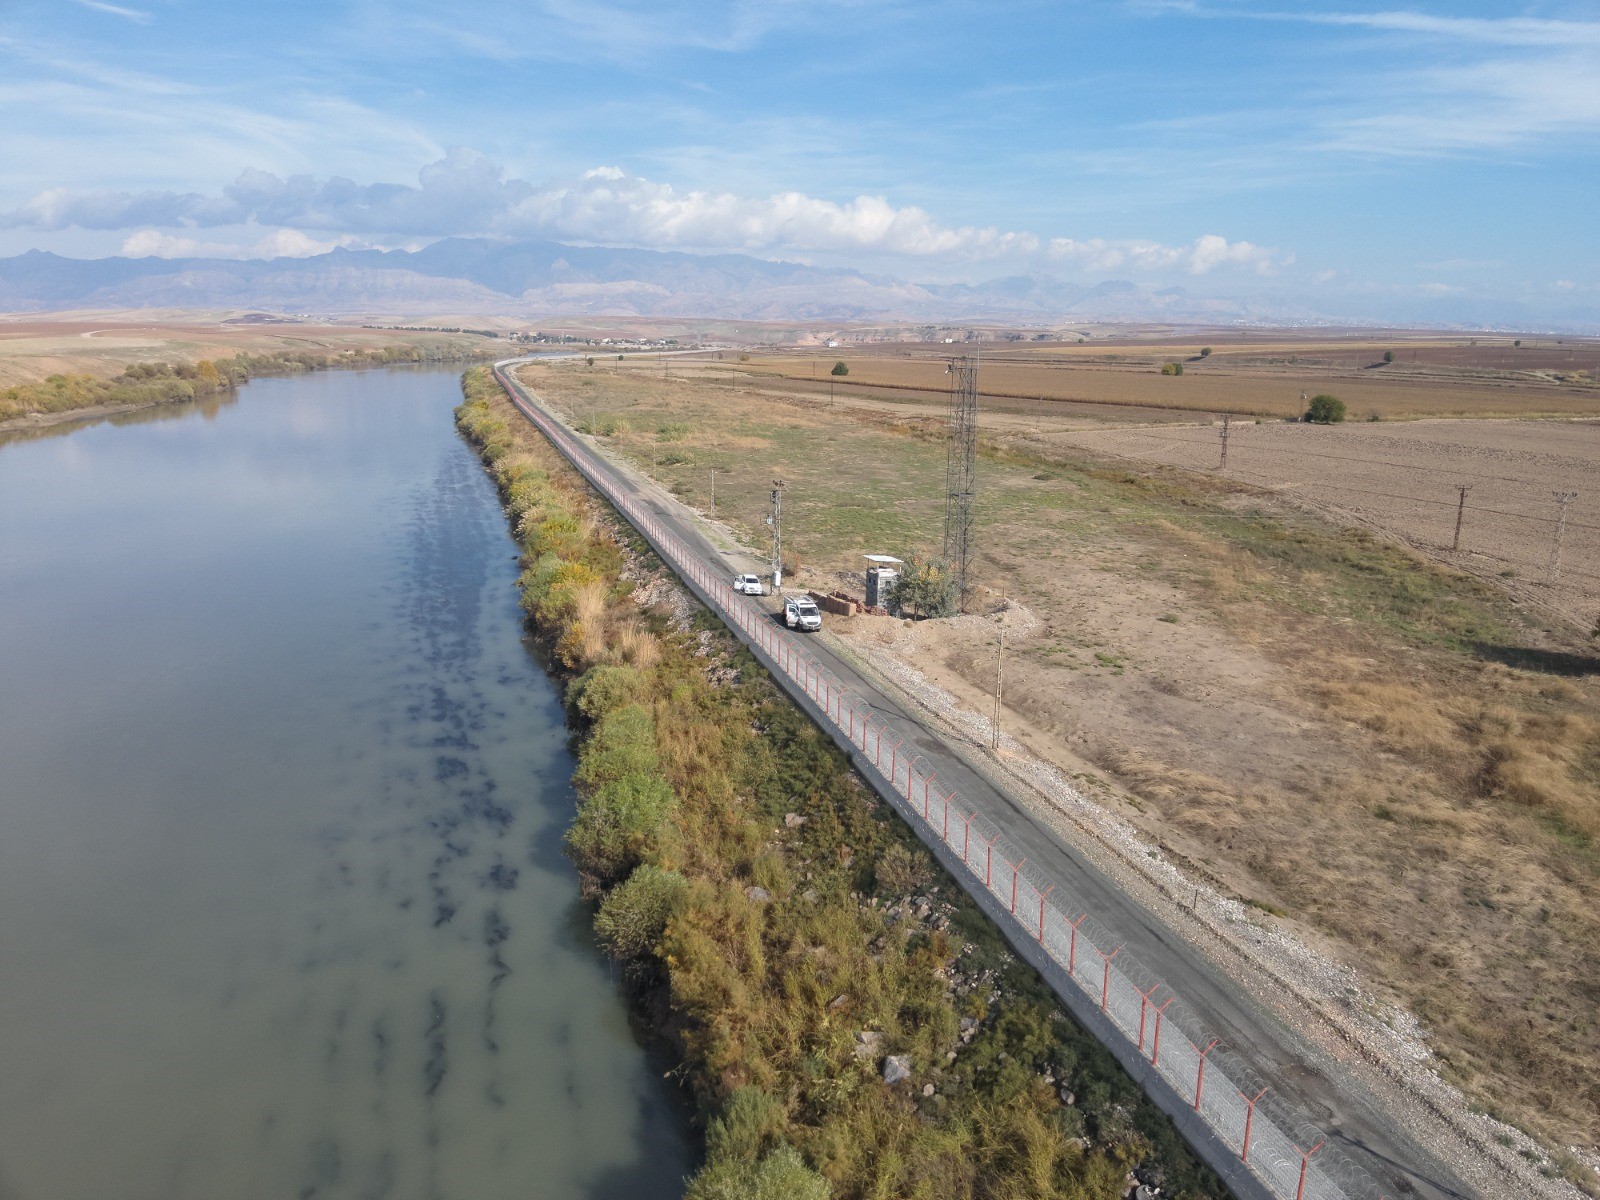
x,y
1254,379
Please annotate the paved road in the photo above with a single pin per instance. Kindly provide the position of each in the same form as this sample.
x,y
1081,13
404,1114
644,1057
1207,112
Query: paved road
x,y
1335,1100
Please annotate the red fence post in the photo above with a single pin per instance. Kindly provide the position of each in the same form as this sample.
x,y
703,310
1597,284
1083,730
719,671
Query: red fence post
x,y
966,836
1072,955
946,834
1043,896
1144,1006
1015,871
988,850
1249,1116
1105,986
1200,1075
1155,1048
1305,1164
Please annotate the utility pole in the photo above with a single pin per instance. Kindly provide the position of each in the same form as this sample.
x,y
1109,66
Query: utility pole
x,y
713,495
776,521
1227,426
999,683
960,472
1563,499
1461,508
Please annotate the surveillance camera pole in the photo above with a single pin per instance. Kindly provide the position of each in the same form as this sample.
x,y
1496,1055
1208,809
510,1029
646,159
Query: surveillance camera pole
x,y
777,534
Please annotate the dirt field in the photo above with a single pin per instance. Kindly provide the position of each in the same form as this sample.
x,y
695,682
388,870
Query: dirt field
x,y
1255,378
1403,480
1311,719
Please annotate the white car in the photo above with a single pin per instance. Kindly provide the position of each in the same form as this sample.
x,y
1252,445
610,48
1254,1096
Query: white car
x,y
750,585
801,612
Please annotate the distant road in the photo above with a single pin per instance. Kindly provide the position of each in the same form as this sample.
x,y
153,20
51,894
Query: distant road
x,y
1342,1105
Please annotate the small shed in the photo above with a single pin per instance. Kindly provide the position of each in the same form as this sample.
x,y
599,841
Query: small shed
x,y
882,575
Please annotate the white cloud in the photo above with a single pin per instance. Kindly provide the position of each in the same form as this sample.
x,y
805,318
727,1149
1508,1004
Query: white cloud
x,y
464,194
1503,31
116,10
609,205
277,243
1200,257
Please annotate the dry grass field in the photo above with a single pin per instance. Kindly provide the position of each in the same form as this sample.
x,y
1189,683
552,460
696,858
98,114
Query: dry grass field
x,y
1403,481
34,346
1390,752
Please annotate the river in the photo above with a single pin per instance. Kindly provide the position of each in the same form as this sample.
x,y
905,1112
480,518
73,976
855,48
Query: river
x,y
283,909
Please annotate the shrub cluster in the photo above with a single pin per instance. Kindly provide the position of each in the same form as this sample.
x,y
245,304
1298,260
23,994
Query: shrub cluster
x,y
757,894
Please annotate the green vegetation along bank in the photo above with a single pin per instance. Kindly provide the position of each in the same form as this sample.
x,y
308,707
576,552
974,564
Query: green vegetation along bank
x,y
165,383
778,925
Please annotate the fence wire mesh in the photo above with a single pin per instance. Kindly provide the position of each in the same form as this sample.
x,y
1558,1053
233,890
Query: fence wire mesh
x,y
1289,1156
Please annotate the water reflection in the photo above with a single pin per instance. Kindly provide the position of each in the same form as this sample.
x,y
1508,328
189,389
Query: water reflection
x,y
206,408
282,908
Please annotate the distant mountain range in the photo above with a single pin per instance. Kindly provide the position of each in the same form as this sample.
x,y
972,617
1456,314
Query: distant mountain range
x,y
536,278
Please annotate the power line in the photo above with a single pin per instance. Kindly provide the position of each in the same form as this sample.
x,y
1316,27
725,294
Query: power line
x,y
1373,462
1390,495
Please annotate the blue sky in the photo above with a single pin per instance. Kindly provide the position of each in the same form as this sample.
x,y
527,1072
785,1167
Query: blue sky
x,y
1331,150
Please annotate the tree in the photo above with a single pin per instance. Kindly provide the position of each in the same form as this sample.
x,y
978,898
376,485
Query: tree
x,y
1325,410
840,369
1388,356
590,361
1205,351
1172,368
1518,342
923,588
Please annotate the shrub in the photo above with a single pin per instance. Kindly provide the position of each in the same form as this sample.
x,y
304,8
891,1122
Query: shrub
x,y
623,744
902,870
840,369
631,919
781,1175
1205,351
1172,368
750,1124
1388,356
923,588
602,690
617,821
1325,410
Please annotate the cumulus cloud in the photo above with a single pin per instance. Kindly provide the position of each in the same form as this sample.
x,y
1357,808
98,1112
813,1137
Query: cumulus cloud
x,y
1200,257
278,243
607,205
465,194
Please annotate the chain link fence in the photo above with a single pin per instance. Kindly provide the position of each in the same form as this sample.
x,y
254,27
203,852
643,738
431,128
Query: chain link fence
x,y
1291,1159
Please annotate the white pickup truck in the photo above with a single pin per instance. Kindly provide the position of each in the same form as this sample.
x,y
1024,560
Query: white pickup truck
x,y
801,612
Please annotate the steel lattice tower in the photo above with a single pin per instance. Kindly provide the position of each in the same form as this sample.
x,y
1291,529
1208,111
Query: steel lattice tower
x,y
960,472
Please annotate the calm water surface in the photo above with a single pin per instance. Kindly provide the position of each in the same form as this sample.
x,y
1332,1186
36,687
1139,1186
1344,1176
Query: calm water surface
x,y
283,911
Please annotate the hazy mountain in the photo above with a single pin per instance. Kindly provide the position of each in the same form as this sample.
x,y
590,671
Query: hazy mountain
x,y
537,278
